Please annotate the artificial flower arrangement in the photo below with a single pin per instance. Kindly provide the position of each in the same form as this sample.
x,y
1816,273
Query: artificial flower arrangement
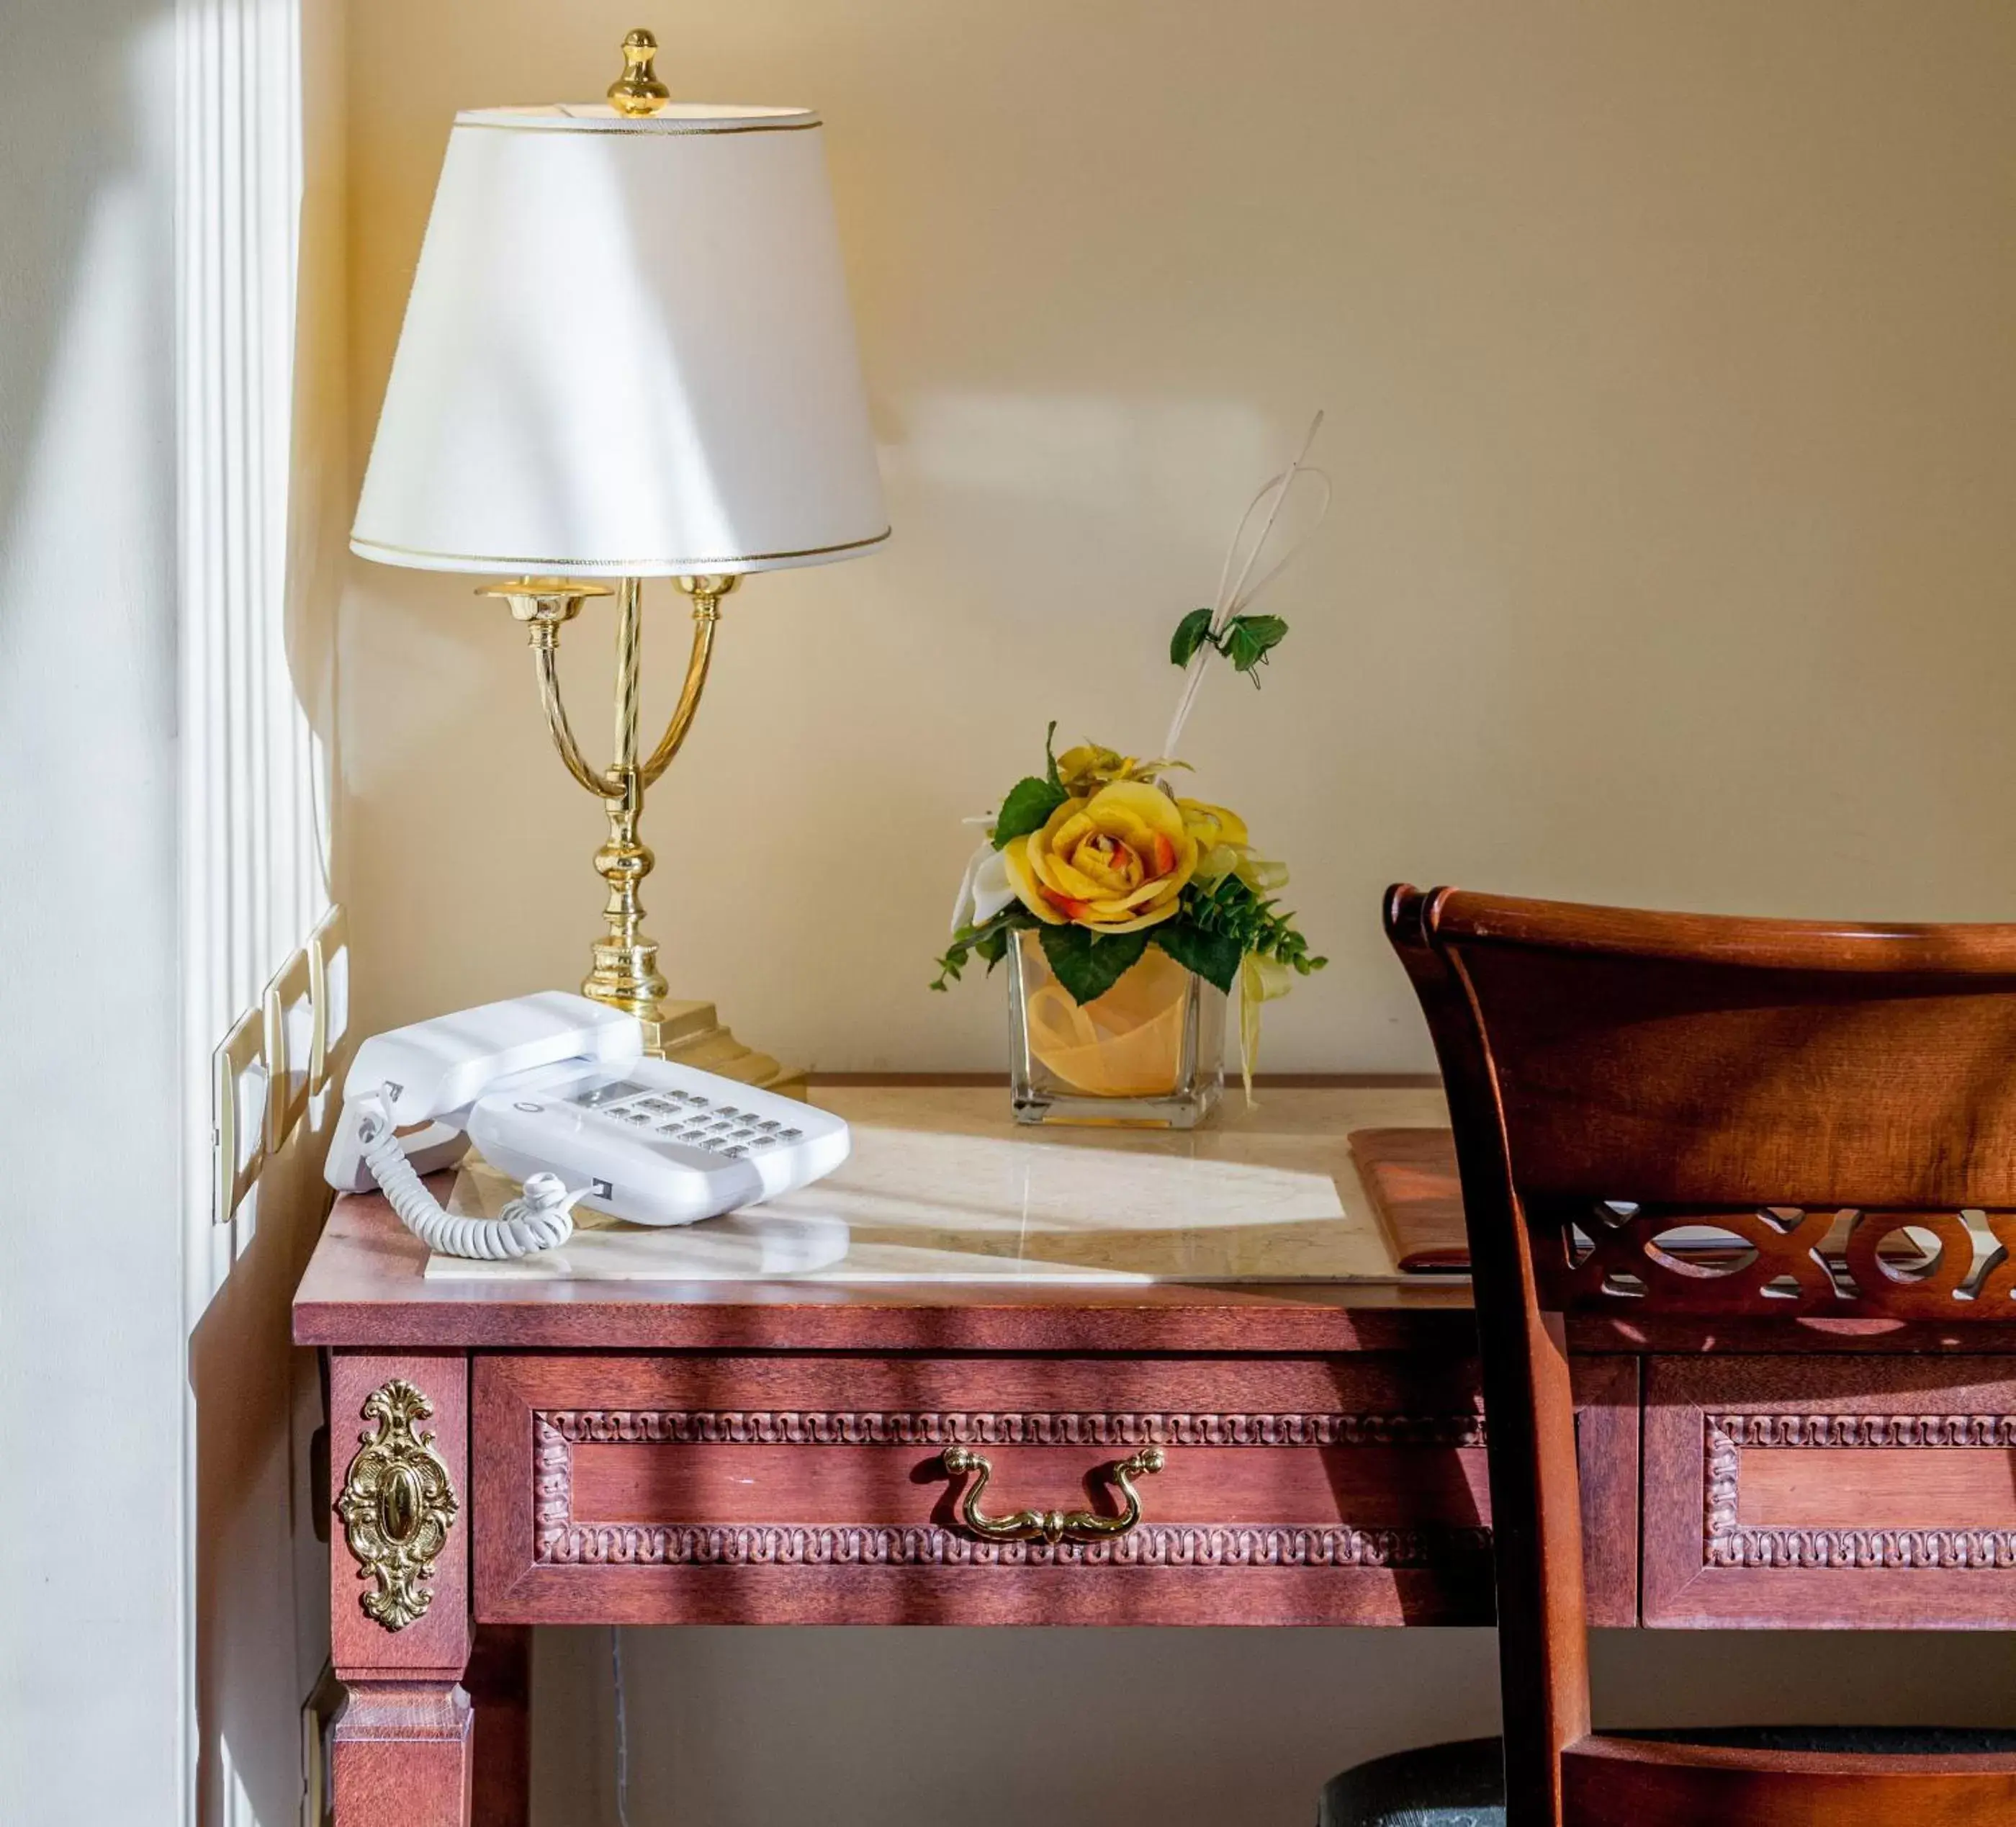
x,y
1103,861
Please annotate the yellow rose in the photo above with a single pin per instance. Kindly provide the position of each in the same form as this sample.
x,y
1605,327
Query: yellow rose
x,y
1088,767
1114,861
1083,770
1212,825
1224,848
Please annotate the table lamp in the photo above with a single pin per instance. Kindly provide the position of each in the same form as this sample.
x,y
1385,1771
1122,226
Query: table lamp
x,y
627,353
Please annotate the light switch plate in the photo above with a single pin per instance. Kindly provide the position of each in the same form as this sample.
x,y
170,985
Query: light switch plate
x,y
238,1112
288,1007
329,990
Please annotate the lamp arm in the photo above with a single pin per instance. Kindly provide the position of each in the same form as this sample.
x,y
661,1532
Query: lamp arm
x,y
545,658
706,592
545,606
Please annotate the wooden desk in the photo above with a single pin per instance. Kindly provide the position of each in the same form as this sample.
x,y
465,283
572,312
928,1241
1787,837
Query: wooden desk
x,y
767,1448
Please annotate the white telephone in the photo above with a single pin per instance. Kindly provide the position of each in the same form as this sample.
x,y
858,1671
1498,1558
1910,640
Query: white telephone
x,y
555,1090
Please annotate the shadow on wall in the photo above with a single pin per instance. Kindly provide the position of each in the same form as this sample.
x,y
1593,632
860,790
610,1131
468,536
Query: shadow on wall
x,y
855,1727
262,1632
91,1343
61,157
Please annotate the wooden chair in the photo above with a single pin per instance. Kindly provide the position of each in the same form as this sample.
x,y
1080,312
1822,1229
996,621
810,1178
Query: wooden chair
x,y
1612,1076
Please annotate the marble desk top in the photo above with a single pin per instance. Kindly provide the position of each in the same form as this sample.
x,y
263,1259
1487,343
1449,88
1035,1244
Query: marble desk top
x,y
943,1185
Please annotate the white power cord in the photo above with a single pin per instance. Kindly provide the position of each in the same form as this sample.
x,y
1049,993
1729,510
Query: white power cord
x,y
622,1727
540,1218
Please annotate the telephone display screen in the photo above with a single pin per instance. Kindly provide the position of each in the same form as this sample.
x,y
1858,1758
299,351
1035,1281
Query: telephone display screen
x,y
594,1097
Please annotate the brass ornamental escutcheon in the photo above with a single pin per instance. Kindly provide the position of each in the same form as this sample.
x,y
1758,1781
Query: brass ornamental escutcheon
x,y
398,1505
1051,1526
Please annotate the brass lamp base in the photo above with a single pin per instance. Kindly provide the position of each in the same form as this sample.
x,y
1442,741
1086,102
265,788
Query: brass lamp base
x,y
625,973
690,1033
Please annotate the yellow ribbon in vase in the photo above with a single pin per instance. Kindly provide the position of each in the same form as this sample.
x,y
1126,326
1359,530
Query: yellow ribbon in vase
x,y
1126,1043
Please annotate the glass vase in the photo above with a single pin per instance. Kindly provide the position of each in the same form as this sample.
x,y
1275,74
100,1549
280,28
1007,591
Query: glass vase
x,y
1149,1053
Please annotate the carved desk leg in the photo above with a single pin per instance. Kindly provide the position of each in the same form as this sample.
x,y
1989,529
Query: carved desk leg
x,y
399,1588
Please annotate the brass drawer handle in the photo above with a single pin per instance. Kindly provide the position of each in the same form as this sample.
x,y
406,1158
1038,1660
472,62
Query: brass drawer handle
x,y
1051,1526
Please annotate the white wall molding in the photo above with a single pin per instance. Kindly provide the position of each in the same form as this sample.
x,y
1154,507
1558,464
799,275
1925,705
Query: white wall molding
x,y
254,873
253,821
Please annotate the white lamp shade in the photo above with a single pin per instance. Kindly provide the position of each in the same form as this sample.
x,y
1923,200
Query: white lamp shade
x,y
628,351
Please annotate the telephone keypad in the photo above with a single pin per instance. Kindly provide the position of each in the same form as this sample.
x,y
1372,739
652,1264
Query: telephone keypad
x,y
689,1145
686,1118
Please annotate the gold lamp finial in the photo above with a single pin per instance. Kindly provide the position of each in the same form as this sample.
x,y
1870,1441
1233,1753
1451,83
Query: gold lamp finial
x,y
638,90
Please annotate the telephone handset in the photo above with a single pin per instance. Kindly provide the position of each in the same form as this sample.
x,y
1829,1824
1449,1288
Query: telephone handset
x,y
556,1090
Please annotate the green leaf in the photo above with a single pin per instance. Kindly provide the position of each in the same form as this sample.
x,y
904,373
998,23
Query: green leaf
x,y
1027,808
988,941
1191,633
1088,964
1213,956
1248,639
952,963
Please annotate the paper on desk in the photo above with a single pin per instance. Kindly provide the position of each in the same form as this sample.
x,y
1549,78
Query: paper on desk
x,y
924,1204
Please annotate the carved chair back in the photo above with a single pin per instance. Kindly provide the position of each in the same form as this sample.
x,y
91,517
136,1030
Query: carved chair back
x,y
1668,1113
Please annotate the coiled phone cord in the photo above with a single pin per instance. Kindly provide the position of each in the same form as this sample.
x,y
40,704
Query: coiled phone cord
x,y
542,1217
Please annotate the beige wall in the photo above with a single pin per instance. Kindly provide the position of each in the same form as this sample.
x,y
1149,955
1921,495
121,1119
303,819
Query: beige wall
x,y
1672,414
1672,404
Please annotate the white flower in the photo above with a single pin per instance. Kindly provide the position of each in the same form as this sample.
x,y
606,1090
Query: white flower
x,y
984,889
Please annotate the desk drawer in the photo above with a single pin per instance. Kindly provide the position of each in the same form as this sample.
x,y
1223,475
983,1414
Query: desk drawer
x,y
1830,1492
815,1489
